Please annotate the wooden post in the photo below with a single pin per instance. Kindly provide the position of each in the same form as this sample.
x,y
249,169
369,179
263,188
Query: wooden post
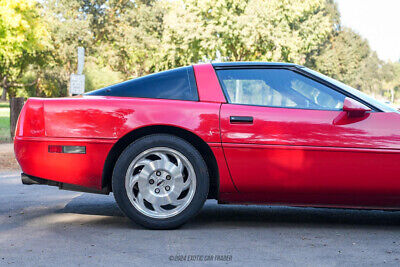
x,y
16,104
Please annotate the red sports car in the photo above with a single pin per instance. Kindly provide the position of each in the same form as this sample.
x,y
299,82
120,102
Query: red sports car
x,y
251,132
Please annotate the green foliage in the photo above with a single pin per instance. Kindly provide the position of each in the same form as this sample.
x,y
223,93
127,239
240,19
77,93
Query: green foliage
x,y
69,28
345,56
348,58
4,121
264,30
99,77
23,40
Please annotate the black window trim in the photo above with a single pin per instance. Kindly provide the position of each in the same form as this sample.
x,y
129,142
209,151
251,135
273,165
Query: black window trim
x,y
297,69
192,84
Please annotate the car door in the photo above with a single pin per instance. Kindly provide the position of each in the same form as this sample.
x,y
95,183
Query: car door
x,y
287,139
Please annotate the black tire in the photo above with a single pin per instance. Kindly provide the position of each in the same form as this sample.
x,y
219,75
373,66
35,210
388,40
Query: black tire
x,y
160,140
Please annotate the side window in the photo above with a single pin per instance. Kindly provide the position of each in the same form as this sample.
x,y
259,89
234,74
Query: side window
x,y
277,88
177,84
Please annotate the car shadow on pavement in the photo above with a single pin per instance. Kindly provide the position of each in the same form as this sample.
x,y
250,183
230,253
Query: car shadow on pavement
x,y
281,216
219,216
92,204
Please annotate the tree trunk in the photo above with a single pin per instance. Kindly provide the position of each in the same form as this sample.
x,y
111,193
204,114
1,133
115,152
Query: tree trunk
x,y
5,87
16,104
4,94
392,94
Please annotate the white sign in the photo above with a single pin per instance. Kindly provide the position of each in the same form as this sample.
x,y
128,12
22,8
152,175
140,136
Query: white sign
x,y
81,59
77,84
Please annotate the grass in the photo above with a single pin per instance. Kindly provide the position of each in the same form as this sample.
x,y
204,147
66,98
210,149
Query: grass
x,y
4,104
4,122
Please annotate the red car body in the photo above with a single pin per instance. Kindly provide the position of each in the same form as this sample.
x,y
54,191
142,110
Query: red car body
x,y
284,156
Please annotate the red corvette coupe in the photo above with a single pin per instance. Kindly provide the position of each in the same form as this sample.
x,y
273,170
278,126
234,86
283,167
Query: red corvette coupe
x,y
249,132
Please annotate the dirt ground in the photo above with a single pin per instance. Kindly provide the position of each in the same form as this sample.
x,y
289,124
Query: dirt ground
x,y
7,158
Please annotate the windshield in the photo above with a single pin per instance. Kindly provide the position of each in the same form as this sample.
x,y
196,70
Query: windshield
x,y
382,106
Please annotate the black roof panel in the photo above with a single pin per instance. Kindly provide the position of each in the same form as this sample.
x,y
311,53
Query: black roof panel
x,y
252,64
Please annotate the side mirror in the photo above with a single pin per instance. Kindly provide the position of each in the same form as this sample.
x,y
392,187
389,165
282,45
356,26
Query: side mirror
x,y
354,108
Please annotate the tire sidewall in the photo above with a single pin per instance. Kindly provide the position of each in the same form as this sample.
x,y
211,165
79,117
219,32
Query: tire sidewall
x,y
160,140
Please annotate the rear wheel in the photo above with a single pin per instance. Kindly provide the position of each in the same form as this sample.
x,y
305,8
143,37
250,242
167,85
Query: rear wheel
x,y
160,181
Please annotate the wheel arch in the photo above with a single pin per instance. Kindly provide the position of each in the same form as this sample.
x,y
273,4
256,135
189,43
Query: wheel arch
x,y
203,148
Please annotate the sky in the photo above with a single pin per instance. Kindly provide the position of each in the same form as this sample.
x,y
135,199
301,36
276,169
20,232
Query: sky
x,y
378,21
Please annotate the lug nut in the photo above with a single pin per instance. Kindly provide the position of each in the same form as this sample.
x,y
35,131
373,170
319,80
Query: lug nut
x,y
168,177
167,188
158,173
157,190
151,181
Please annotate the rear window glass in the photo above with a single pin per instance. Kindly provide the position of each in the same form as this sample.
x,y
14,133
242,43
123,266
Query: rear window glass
x,y
177,84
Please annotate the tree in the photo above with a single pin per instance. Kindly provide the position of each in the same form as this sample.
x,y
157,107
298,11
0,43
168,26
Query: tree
x,y
120,38
126,39
348,58
262,30
23,41
391,80
132,39
68,28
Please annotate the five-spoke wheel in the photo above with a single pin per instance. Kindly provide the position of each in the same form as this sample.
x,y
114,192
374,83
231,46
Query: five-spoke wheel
x,y
160,181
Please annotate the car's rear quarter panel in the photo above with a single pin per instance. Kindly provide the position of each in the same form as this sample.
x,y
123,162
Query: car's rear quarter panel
x,y
113,117
98,123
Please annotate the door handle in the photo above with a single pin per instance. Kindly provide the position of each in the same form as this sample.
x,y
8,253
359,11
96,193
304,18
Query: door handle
x,y
241,119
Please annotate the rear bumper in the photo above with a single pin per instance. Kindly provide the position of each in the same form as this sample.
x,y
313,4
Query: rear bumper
x,y
84,170
31,180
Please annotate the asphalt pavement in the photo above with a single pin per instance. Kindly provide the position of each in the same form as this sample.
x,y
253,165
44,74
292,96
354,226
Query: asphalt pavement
x,y
45,226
